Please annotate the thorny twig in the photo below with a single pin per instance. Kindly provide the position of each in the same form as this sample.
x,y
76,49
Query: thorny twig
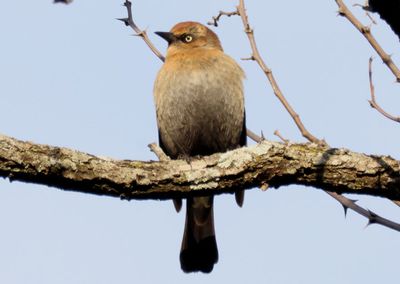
x,y
372,101
275,87
366,32
371,216
215,19
142,33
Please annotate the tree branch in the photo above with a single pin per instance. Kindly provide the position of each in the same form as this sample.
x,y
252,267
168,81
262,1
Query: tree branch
x,y
271,163
139,32
372,102
366,32
241,9
372,217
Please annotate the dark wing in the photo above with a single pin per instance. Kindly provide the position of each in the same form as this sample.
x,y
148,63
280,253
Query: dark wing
x,y
239,195
243,135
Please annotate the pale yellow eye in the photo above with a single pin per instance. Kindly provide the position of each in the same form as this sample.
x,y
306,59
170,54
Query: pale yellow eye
x,y
188,38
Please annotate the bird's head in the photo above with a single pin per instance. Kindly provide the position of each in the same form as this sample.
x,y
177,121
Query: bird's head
x,y
187,36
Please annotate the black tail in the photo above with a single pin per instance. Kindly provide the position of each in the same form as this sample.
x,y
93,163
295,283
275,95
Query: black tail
x,y
199,250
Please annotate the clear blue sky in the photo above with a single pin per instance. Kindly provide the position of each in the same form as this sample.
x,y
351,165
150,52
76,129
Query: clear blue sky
x,y
73,76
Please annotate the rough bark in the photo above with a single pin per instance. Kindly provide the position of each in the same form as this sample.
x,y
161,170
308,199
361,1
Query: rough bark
x,y
266,164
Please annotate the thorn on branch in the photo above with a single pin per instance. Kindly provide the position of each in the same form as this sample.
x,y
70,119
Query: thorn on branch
x,y
345,210
372,219
124,20
248,30
371,104
346,207
386,59
254,136
341,12
365,29
140,34
262,136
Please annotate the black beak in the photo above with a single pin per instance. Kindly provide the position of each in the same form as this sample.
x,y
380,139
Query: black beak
x,y
169,37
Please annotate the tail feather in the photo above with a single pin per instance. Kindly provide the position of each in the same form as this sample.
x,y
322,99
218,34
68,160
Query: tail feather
x,y
199,250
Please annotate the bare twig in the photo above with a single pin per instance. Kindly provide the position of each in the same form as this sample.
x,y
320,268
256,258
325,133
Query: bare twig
x,y
366,32
254,136
278,93
366,9
159,152
142,33
371,216
370,17
277,133
372,101
215,19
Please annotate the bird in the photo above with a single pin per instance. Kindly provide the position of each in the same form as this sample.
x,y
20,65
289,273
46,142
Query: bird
x,y
198,95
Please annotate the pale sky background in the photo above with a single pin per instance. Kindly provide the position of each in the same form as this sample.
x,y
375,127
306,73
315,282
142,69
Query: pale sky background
x,y
73,76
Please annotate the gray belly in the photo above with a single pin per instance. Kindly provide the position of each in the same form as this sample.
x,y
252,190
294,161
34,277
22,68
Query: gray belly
x,y
198,114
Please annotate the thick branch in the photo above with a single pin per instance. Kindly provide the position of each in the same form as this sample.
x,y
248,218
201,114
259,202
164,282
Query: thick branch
x,y
268,163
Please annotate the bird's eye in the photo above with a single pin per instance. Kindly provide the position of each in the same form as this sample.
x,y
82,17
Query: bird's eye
x,y
187,38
